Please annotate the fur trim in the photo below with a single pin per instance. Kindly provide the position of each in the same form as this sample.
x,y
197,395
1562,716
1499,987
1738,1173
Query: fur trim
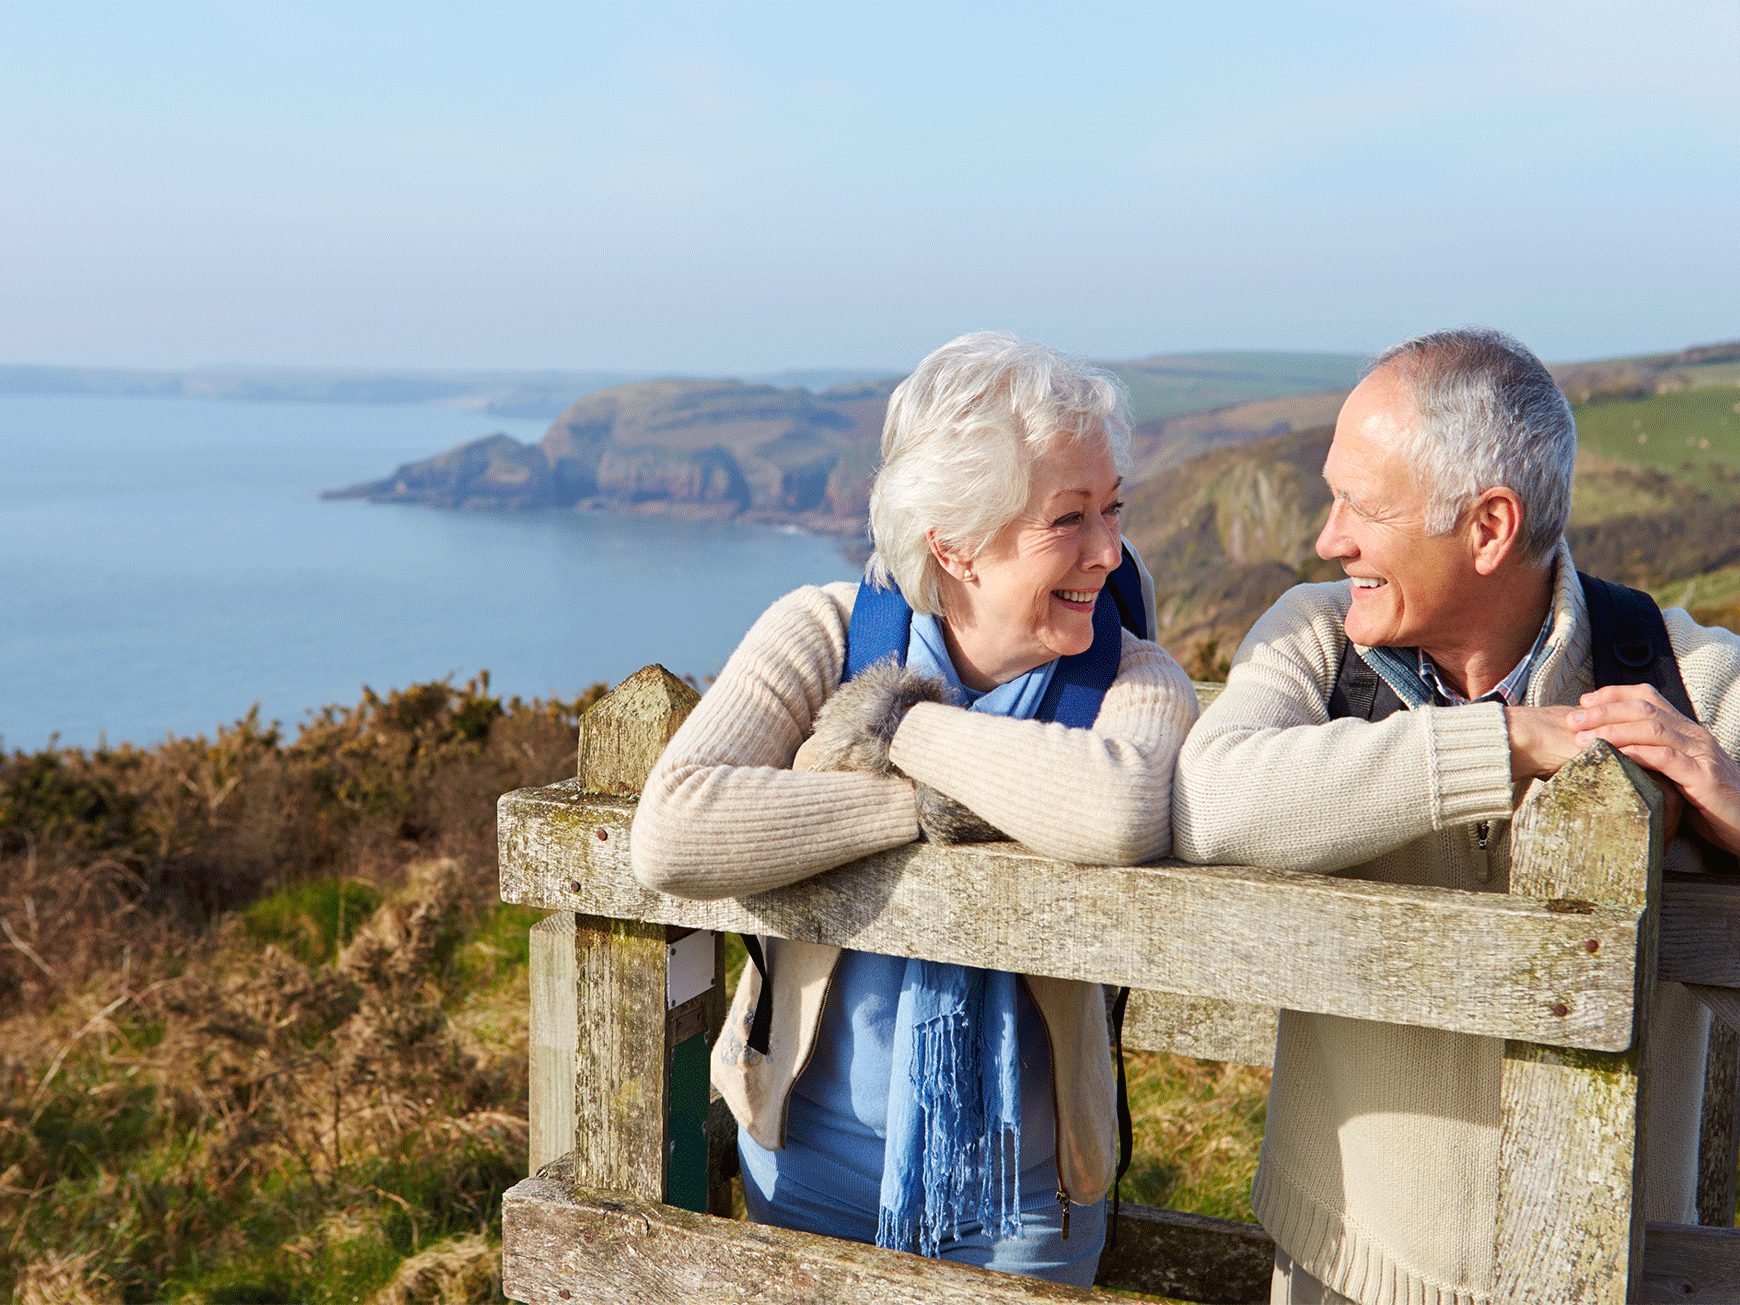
x,y
856,725
944,820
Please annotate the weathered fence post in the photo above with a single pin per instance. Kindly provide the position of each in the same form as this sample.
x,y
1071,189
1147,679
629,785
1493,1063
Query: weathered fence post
x,y
623,1012
1571,1141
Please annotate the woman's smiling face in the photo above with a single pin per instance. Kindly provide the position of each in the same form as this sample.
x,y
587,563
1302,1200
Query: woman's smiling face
x,y
1029,596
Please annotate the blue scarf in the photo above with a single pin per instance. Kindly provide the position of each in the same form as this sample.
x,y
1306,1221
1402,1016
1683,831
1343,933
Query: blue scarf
x,y
953,1150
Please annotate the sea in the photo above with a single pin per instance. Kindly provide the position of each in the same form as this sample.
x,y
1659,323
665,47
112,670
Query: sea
x,y
167,564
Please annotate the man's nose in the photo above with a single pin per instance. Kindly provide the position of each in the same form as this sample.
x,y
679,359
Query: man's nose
x,y
1332,540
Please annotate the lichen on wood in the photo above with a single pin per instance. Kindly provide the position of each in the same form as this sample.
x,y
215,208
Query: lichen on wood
x,y
623,734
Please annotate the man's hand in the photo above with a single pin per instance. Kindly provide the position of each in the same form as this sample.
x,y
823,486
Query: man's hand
x,y
1637,720
1541,740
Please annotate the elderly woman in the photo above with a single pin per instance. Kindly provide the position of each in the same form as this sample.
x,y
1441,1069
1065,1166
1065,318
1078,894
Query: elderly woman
x,y
958,1112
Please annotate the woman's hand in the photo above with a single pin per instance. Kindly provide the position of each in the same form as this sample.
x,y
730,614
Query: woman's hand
x,y
1638,721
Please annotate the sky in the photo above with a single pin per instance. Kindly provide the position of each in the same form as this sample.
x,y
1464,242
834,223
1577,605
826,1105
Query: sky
x,y
729,188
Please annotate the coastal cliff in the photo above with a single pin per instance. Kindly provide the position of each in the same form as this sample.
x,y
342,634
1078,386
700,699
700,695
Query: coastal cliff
x,y
689,448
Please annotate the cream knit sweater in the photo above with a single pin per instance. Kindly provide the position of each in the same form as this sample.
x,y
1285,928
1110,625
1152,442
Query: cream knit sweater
x,y
1380,1154
723,815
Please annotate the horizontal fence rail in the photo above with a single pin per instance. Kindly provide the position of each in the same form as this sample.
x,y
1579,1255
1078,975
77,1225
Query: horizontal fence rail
x,y
1471,962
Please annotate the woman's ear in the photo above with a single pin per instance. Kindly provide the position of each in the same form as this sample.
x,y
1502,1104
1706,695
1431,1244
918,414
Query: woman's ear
x,y
1495,528
961,568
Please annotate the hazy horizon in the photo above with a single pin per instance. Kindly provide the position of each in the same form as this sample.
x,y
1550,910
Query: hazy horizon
x,y
720,189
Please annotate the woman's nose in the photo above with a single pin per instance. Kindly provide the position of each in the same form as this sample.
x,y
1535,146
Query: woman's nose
x,y
1104,549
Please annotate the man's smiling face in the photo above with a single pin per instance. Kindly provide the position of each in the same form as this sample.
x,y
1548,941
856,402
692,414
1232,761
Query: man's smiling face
x,y
1409,587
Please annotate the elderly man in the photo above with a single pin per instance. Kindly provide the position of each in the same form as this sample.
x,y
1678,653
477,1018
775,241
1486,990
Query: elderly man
x,y
1451,475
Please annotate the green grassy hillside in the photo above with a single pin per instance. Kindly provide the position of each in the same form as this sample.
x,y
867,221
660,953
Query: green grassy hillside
x,y
1666,431
1170,385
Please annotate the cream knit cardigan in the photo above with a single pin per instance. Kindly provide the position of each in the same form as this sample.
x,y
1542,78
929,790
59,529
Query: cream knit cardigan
x,y
723,815
1379,1170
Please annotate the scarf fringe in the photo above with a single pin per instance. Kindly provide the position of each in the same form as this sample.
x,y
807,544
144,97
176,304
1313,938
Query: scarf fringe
x,y
969,1117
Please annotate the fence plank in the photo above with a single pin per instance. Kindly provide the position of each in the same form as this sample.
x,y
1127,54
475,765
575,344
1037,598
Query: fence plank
x,y
1472,962
1233,1031
1719,1130
1571,1145
1171,1253
1700,931
560,1244
620,1090
1691,1266
623,733
554,1038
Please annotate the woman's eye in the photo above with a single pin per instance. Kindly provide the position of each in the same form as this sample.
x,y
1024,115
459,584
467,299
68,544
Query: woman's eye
x,y
1068,519
1116,509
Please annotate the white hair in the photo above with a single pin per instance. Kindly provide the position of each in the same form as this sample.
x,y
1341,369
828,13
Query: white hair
x,y
1490,414
959,443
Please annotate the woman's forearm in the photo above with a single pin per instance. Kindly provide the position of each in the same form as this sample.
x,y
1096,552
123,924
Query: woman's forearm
x,y
723,814
1101,796
714,831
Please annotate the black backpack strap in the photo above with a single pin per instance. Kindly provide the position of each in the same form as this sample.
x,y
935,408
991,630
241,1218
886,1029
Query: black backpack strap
x,y
761,1027
1360,692
1126,1130
1126,586
1628,644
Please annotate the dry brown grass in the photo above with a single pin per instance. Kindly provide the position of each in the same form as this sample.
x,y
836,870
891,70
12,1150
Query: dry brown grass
x,y
262,1018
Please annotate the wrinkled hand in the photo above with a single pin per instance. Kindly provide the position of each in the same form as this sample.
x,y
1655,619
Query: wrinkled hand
x,y
810,755
1541,740
1640,723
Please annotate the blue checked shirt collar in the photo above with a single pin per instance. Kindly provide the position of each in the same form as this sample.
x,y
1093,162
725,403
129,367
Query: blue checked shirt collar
x,y
1510,690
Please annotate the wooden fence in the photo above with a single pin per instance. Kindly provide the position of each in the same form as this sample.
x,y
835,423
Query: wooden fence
x,y
631,1158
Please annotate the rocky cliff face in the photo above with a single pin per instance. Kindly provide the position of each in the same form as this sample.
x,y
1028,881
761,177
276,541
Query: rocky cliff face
x,y
691,448
494,472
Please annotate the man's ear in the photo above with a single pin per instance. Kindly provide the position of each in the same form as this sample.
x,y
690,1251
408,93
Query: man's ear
x,y
961,568
1495,527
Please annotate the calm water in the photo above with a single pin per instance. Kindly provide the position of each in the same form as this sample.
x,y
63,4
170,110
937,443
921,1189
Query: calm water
x,y
165,563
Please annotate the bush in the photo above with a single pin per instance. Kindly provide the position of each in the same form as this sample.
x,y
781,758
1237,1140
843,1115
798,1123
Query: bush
x,y
262,1016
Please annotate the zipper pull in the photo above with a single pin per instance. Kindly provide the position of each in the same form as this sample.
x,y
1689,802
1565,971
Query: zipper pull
x,y
1482,857
1063,1200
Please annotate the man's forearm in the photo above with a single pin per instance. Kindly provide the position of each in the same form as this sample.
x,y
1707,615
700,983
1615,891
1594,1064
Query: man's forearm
x,y
1327,797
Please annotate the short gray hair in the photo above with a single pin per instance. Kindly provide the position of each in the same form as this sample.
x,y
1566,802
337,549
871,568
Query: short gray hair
x,y
1490,414
959,443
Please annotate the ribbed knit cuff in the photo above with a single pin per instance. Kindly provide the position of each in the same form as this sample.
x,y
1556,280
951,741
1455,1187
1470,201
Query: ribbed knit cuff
x,y
1471,763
